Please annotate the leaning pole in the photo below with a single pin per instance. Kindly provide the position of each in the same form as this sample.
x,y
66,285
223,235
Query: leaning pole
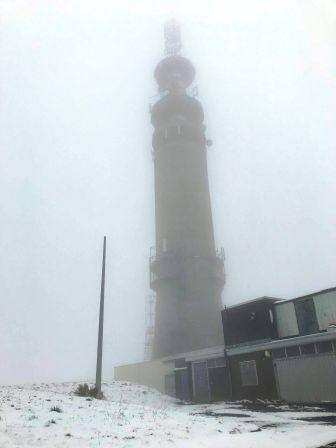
x,y
101,327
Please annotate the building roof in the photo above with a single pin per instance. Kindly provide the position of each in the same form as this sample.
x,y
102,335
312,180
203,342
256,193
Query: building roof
x,y
257,300
323,291
278,300
204,353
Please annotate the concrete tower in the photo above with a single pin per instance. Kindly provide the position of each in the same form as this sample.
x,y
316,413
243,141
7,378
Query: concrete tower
x,y
187,273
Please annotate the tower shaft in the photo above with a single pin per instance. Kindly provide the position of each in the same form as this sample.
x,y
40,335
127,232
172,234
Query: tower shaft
x,y
187,273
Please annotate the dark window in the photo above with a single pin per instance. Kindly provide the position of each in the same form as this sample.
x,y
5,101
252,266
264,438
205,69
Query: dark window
x,y
279,353
180,363
324,347
247,323
248,373
307,349
306,316
293,351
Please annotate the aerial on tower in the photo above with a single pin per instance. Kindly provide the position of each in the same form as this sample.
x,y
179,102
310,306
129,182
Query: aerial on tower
x,y
172,37
174,74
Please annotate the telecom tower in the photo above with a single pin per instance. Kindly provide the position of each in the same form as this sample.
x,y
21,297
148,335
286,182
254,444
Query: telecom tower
x,y
186,271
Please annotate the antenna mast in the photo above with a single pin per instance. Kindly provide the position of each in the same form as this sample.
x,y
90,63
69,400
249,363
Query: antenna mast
x,y
101,327
172,38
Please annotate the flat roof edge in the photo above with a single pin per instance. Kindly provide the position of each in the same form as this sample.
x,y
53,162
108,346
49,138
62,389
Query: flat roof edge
x,y
258,299
281,343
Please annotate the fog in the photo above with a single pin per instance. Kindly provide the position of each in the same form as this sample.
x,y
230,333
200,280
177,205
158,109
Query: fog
x,y
75,138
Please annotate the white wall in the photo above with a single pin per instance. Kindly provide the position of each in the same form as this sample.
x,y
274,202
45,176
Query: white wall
x,y
286,319
325,306
151,374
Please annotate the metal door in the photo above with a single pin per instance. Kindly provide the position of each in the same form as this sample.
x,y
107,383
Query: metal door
x,y
201,381
219,383
185,386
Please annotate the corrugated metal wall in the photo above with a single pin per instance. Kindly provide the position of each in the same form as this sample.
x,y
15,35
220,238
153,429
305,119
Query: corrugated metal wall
x,y
201,381
325,306
286,319
308,379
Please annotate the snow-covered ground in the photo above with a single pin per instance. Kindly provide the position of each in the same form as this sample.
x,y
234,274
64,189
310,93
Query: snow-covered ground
x,y
135,416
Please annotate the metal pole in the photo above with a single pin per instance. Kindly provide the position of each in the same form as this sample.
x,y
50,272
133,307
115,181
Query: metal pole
x,y
101,327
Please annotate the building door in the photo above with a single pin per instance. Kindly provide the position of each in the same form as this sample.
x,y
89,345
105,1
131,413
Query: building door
x,y
170,385
185,386
201,381
219,384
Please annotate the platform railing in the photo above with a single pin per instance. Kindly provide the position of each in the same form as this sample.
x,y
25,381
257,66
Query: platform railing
x,y
167,264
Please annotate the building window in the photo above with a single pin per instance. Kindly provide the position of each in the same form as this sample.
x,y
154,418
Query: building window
x,y
306,316
324,347
248,373
279,353
216,362
293,351
180,362
307,349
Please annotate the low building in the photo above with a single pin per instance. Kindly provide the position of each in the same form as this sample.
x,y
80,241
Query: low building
x,y
283,349
199,376
274,349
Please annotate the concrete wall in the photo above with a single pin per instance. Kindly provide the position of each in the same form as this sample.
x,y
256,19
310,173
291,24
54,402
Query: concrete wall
x,y
151,374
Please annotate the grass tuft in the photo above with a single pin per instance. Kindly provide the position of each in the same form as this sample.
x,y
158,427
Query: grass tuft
x,y
84,390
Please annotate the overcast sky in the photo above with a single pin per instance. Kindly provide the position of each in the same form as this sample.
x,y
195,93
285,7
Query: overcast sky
x,y
75,138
